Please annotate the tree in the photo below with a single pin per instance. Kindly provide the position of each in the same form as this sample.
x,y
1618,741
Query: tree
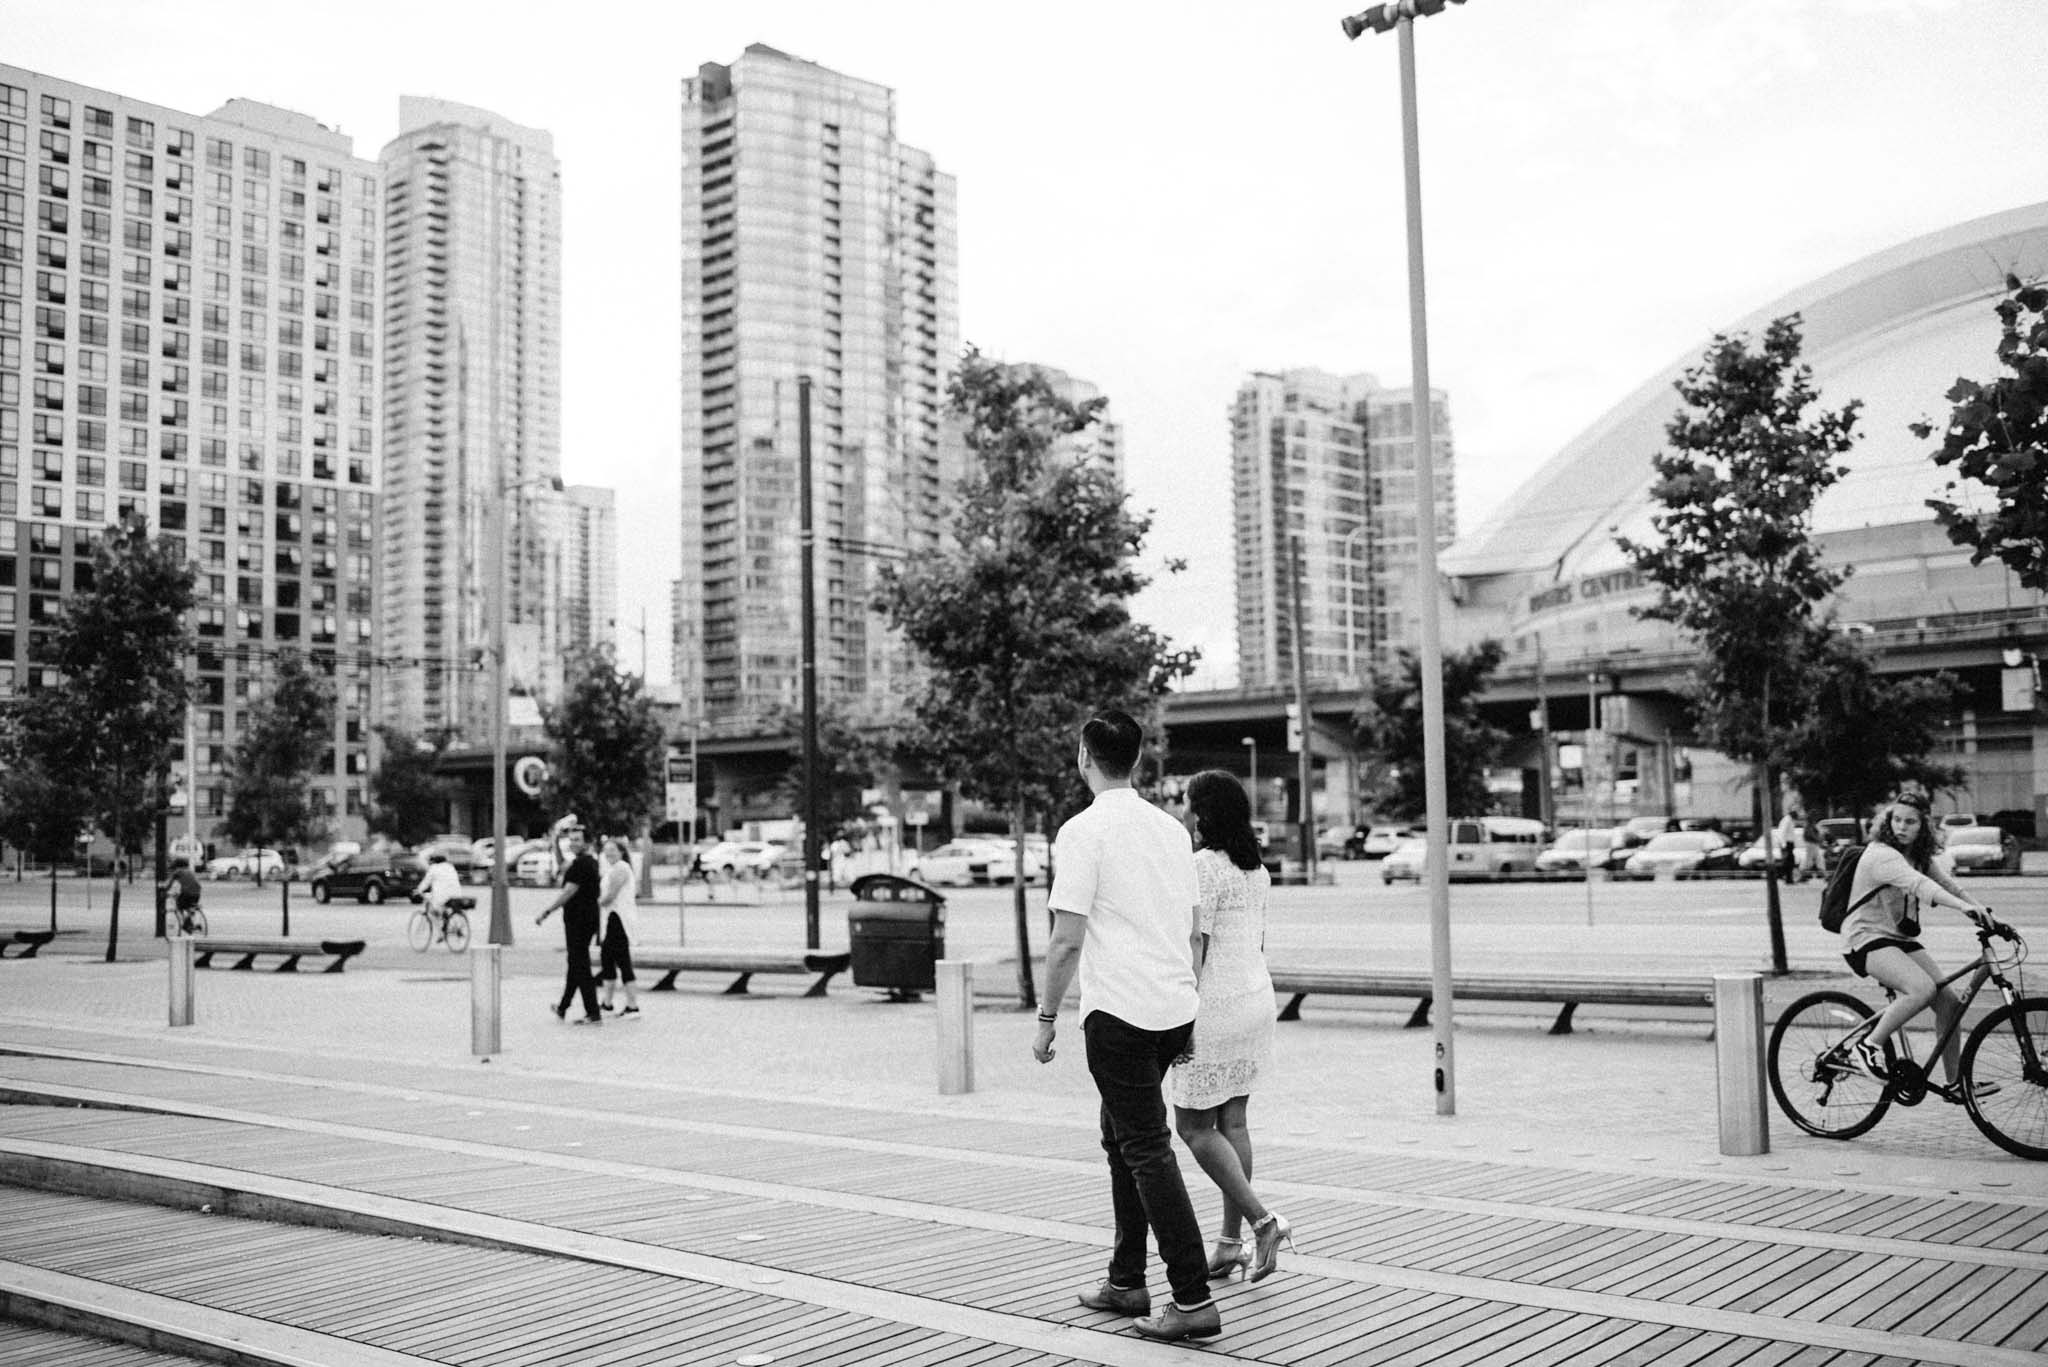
x,y
408,798
855,749
111,721
1389,725
1023,619
1858,737
606,748
1736,566
40,813
1997,436
288,733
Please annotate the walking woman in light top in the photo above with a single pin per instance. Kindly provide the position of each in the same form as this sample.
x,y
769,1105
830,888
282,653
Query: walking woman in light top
x,y
1895,874
1233,1040
616,900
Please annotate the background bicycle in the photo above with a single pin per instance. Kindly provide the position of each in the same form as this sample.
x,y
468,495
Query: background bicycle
x,y
449,924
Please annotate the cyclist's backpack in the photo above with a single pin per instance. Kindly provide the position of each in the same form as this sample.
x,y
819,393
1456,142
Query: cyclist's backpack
x,y
1834,899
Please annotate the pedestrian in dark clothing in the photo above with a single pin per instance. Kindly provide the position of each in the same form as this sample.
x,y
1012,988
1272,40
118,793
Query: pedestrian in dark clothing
x,y
577,902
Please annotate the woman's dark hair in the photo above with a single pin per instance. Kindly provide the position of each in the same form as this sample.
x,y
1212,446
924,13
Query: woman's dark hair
x,y
1921,852
1223,817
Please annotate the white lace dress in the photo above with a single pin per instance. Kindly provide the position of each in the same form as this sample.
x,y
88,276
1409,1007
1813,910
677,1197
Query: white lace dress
x,y
1234,1024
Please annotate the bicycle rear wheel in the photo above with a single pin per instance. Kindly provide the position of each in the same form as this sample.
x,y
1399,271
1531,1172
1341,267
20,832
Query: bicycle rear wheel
x,y
419,931
196,920
1812,1080
2006,1050
458,931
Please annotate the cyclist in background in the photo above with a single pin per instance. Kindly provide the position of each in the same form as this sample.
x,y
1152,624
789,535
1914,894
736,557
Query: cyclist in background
x,y
1897,872
184,888
436,886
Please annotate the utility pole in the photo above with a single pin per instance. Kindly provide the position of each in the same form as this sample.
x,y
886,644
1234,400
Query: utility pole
x,y
807,542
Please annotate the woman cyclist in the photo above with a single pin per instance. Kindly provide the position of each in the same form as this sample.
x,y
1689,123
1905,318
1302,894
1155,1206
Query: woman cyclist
x,y
1895,874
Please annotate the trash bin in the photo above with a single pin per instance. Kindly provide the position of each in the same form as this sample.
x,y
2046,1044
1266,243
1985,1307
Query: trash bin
x,y
897,934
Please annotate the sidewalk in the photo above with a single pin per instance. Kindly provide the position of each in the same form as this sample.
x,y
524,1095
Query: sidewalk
x,y
1603,1141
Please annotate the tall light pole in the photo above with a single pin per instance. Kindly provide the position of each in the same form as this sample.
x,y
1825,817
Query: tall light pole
x,y
1400,15
1251,743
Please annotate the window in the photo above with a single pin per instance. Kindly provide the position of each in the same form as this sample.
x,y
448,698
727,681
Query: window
x,y
220,153
141,132
54,182
91,506
136,165
55,147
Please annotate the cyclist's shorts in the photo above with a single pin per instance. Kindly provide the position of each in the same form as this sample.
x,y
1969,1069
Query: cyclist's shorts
x,y
187,901
1856,956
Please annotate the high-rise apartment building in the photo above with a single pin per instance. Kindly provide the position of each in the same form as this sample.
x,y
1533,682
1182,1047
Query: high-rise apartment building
x,y
1103,441
472,410
814,244
189,332
1323,471
587,578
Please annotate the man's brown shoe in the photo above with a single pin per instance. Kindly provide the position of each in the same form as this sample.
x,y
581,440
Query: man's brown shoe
x,y
1118,1300
1173,1323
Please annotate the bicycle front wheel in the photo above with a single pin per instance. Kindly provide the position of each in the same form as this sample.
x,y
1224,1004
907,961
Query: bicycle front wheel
x,y
458,931
2005,1051
195,922
419,931
1810,1074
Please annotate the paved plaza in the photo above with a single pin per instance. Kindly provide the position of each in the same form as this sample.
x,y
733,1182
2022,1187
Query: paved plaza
x,y
319,1170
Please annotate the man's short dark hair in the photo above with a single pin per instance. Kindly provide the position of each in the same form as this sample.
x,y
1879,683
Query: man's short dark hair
x,y
1113,741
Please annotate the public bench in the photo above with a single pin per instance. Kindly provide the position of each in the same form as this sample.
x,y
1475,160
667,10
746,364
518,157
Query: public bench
x,y
745,963
26,942
1569,992
290,950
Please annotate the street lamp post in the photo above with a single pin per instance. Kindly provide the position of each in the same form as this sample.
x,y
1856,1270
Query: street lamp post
x,y
1400,15
485,1015
1252,784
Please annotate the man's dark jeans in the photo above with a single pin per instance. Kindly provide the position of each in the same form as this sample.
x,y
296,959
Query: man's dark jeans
x,y
578,931
1129,1067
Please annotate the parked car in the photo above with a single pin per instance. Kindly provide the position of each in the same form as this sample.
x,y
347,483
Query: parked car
x,y
964,863
1335,842
1576,850
1405,860
1983,849
246,865
1956,821
736,857
1381,841
370,876
533,864
1751,859
1676,852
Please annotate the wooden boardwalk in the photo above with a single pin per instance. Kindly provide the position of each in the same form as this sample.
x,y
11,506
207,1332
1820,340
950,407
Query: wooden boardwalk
x,y
426,1215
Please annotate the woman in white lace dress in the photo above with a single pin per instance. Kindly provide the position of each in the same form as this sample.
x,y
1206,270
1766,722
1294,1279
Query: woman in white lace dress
x,y
1233,1040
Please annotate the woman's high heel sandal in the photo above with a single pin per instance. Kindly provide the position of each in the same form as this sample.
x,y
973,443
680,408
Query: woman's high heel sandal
x,y
1222,1264
1271,1233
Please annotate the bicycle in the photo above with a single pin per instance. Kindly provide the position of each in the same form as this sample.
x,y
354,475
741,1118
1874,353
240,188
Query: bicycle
x,y
1823,1094
448,923
185,921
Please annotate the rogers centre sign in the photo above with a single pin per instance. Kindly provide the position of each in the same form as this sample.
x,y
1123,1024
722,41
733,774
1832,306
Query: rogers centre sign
x,y
1592,586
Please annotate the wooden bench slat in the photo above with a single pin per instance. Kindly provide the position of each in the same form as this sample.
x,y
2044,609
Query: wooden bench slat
x,y
292,950
1569,992
745,963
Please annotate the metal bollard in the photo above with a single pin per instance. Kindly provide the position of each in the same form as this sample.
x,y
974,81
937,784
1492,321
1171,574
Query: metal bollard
x,y
1739,1063
484,969
181,980
955,979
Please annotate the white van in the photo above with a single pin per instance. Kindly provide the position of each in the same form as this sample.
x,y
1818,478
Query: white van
x,y
1491,846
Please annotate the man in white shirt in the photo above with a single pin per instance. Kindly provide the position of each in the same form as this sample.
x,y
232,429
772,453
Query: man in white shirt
x,y
1123,901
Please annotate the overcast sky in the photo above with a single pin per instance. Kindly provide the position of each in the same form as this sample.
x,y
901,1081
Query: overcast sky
x,y
1163,197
